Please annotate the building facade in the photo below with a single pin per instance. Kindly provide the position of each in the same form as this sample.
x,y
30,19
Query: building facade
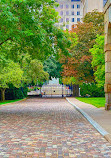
x,y
90,5
71,12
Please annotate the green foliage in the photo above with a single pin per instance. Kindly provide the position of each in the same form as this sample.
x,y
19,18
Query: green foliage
x,y
18,93
97,19
10,73
91,89
35,72
29,26
98,60
28,36
80,61
12,92
53,67
69,80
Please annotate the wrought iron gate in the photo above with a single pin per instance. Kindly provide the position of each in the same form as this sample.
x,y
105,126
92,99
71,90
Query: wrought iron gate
x,y
56,90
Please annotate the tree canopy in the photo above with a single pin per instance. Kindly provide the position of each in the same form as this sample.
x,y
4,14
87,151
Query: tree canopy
x,y
98,60
79,64
53,67
35,72
10,73
30,26
28,37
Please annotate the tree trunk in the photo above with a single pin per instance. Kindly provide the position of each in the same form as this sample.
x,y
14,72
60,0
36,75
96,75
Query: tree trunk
x,y
2,94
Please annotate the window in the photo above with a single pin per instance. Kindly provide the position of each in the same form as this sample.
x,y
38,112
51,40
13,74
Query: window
x,y
78,19
61,6
67,19
61,13
67,12
67,6
72,6
78,6
78,13
61,20
67,26
72,13
72,19
75,0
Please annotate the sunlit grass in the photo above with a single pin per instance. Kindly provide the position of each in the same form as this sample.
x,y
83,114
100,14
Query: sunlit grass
x,y
9,101
96,101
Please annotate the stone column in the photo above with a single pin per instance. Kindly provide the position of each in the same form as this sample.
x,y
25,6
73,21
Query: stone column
x,y
107,87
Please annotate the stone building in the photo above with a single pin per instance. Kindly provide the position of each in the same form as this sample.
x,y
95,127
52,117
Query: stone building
x,y
90,5
107,87
71,12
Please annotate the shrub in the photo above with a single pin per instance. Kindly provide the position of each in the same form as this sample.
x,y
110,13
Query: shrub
x,y
15,93
91,89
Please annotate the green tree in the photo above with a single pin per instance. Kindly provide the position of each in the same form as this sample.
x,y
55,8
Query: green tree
x,y
30,26
98,60
28,36
10,73
69,80
35,72
97,19
79,64
53,67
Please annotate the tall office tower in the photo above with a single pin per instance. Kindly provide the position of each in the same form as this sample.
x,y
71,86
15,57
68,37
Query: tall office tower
x,y
90,5
71,12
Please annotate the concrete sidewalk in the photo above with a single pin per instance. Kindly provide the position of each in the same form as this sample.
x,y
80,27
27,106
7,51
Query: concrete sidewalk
x,y
99,115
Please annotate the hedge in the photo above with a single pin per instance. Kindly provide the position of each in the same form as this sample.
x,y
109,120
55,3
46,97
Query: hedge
x,y
91,89
12,93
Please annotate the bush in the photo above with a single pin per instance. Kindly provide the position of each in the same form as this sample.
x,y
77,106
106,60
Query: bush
x,y
91,89
35,88
16,93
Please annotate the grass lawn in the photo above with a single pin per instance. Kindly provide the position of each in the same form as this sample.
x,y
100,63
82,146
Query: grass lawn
x,y
9,101
96,101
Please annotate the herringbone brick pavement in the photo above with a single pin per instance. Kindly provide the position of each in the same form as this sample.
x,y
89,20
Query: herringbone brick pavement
x,y
48,128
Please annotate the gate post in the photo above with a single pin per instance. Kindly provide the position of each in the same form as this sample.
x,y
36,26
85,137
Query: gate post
x,y
62,91
75,90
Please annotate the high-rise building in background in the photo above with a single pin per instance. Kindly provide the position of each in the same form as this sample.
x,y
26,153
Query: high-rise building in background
x,y
90,5
71,12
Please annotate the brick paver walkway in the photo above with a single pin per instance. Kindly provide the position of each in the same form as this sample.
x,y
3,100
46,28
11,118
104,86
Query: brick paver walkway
x,y
49,128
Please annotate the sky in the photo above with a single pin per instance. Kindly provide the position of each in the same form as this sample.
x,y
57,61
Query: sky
x,y
104,1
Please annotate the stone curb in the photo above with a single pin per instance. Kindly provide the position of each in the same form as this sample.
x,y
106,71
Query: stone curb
x,y
103,132
13,102
108,137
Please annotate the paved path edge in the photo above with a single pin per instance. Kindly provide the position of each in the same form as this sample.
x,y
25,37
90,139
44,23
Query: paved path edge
x,y
102,131
14,102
